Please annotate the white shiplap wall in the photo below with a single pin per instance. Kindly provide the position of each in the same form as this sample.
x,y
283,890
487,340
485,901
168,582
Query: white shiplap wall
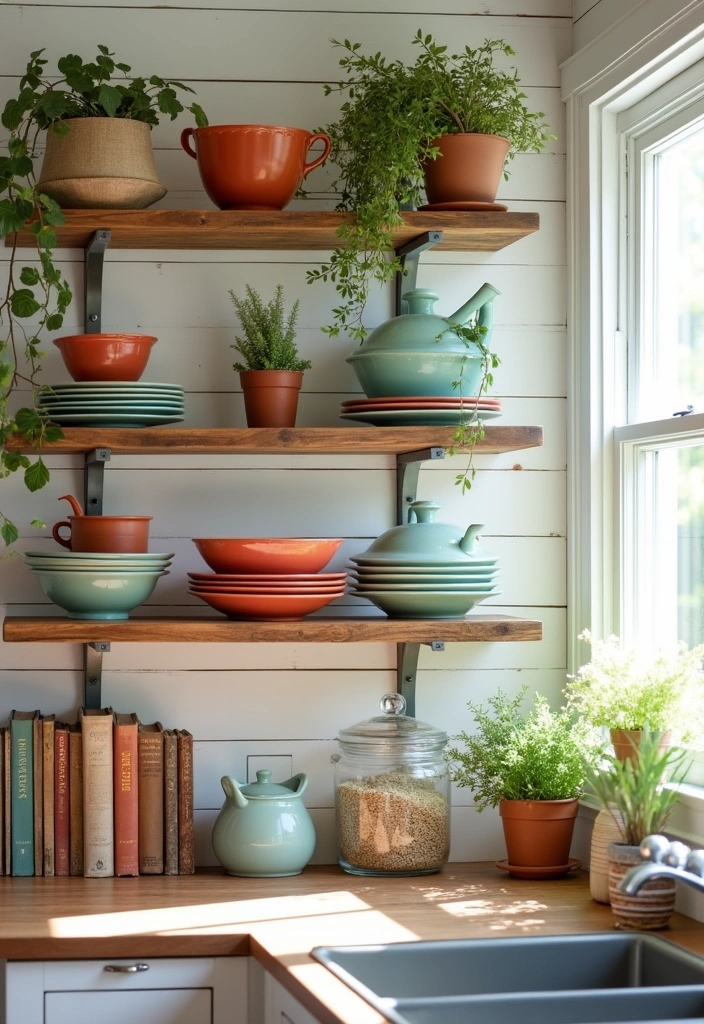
x,y
265,61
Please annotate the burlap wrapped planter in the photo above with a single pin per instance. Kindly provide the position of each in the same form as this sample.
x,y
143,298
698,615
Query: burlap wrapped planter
x,y
651,908
101,163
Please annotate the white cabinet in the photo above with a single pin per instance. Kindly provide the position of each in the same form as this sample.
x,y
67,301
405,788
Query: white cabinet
x,y
280,1007
193,990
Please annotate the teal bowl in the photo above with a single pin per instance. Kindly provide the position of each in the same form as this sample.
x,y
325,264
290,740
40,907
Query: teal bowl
x,y
439,605
419,374
99,594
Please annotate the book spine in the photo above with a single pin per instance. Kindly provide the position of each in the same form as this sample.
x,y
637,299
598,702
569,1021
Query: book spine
x,y
2,800
38,810
22,796
48,728
75,799
61,802
170,802
98,829
8,802
186,841
126,799
151,803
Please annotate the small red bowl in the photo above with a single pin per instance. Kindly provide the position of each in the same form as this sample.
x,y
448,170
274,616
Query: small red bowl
x,y
105,356
265,555
260,606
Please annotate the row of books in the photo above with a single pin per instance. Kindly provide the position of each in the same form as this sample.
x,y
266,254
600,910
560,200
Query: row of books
x,y
104,796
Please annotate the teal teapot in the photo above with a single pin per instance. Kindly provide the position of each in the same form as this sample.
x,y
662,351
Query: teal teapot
x,y
420,354
264,829
427,542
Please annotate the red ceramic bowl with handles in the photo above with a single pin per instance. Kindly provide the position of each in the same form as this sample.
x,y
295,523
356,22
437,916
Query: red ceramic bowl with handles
x,y
105,356
267,554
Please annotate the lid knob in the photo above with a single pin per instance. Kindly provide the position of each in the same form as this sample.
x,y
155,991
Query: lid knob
x,y
393,704
263,776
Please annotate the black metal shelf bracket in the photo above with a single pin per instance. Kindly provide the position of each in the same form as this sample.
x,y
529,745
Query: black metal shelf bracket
x,y
93,279
93,673
408,669
408,254
407,469
93,480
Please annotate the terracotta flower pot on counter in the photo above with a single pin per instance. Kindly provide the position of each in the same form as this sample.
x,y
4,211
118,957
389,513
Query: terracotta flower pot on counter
x,y
252,166
468,169
271,397
538,833
625,741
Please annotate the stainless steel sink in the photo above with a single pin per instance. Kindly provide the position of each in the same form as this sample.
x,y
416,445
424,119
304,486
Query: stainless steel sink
x,y
566,979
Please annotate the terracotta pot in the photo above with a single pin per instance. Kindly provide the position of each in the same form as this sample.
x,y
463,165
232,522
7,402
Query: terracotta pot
x,y
252,166
651,908
625,741
101,163
105,356
271,397
104,533
538,833
469,168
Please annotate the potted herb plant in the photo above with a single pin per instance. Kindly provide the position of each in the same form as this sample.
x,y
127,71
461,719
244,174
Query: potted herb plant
x,y
531,765
82,100
272,372
639,794
398,125
626,688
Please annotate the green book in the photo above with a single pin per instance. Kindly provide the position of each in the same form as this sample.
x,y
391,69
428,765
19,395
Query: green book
x,y
22,791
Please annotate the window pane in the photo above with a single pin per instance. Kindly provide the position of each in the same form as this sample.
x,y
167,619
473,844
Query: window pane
x,y
679,277
690,544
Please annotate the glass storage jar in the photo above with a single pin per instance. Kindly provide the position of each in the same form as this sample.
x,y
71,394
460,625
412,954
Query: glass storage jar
x,y
392,795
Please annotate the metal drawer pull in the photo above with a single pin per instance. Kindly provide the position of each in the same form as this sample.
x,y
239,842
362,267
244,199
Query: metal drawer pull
x,y
126,968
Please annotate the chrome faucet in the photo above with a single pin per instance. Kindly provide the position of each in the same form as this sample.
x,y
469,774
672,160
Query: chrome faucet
x,y
664,859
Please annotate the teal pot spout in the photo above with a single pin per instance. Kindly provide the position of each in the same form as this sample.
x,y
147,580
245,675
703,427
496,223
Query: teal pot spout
x,y
481,298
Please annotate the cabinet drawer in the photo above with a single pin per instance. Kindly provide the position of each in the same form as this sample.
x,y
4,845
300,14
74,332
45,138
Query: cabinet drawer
x,y
144,1006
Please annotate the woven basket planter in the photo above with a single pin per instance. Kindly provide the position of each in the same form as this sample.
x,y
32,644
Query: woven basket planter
x,y
651,908
101,163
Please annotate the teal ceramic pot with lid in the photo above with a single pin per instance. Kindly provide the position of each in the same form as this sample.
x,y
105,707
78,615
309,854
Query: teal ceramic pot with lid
x,y
264,829
426,542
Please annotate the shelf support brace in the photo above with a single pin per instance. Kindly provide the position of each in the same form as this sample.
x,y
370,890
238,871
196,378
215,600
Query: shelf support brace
x,y
407,469
408,254
93,280
408,669
93,480
93,672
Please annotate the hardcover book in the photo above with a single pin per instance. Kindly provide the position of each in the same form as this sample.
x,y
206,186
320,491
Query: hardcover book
x,y
98,803
22,791
186,840
48,726
61,800
75,798
126,786
170,802
2,799
7,801
151,799
38,793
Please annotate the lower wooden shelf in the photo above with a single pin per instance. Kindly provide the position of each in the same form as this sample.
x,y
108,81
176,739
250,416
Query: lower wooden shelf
x,y
373,629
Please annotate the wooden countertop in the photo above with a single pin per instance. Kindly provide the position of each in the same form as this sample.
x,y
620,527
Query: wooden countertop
x,y
279,920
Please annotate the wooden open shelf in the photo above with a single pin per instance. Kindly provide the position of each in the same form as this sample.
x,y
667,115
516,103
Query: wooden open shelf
x,y
248,229
275,440
315,630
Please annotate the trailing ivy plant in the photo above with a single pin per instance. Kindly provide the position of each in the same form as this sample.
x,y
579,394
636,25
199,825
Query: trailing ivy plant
x,y
386,131
36,297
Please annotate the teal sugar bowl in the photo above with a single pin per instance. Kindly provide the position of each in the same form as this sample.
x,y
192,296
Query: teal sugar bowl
x,y
264,829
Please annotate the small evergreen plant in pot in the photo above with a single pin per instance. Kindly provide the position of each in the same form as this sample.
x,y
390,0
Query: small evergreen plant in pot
x,y
272,371
531,765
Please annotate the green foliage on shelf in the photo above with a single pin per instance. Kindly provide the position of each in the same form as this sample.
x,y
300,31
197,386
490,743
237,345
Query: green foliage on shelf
x,y
269,341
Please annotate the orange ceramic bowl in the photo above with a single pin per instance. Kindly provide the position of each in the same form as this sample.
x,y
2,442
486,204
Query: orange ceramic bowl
x,y
105,356
230,588
267,555
261,606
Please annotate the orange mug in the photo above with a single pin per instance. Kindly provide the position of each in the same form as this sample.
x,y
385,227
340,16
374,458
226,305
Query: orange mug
x,y
115,534
252,166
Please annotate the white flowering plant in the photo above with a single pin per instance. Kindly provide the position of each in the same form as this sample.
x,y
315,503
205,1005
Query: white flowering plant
x,y
631,687
515,755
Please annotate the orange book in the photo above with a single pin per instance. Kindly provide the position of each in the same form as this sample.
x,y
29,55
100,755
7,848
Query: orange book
x,y
2,800
75,798
61,800
186,840
150,746
170,802
126,795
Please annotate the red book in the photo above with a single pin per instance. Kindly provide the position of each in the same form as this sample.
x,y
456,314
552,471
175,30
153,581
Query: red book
x,y
126,795
62,812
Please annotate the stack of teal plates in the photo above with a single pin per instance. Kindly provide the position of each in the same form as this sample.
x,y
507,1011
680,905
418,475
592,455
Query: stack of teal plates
x,y
99,403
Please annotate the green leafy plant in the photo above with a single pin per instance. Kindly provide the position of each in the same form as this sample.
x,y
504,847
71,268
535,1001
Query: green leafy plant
x,y
640,792
631,687
514,755
386,132
269,341
37,297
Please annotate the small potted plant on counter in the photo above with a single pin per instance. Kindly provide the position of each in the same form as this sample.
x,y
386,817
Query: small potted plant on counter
x,y
272,372
639,793
531,764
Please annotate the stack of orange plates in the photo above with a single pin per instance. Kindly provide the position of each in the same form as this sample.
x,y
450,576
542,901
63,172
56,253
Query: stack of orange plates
x,y
420,410
267,595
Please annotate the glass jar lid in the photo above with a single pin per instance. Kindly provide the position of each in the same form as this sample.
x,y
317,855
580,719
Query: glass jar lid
x,y
392,730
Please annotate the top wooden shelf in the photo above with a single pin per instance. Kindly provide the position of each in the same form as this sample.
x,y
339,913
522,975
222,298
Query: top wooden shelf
x,y
249,229
277,440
